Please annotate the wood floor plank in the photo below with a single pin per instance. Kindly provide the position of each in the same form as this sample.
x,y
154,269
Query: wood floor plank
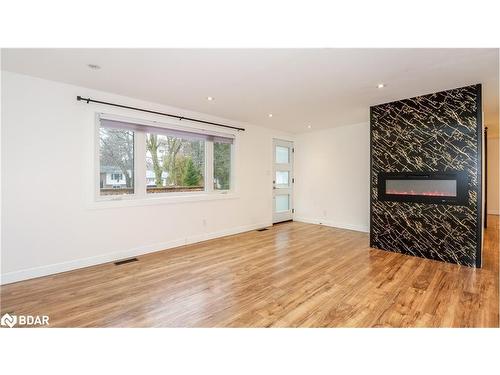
x,y
292,275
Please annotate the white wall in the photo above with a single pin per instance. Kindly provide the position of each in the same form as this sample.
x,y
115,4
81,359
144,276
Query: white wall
x,y
493,179
49,224
332,169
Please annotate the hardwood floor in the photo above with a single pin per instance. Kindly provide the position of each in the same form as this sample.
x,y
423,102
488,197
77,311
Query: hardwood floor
x,y
292,275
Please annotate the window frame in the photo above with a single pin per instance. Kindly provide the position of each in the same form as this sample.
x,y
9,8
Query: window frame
x,y
140,194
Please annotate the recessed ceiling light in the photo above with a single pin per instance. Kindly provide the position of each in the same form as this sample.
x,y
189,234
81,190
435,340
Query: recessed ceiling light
x,y
94,66
381,85
210,98
270,115
309,126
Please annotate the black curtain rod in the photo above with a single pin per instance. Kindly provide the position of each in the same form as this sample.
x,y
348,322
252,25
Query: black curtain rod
x,y
88,100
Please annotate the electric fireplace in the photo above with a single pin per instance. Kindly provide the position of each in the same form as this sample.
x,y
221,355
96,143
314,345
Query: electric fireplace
x,y
429,187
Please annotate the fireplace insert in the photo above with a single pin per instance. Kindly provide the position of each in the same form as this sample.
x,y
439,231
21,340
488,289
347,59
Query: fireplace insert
x,y
423,187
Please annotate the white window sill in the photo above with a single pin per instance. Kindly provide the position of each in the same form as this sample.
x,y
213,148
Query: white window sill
x,y
151,201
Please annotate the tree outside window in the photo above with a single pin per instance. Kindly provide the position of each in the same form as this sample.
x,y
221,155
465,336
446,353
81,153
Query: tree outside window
x,y
116,152
174,164
222,166
174,160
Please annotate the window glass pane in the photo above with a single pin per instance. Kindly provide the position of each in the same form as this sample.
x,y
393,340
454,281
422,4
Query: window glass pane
x,y
222,166
282,203
282,179
281,155
116,159
174,164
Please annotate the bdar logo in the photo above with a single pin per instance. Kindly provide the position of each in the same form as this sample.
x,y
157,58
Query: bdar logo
x,y
8,320
24,320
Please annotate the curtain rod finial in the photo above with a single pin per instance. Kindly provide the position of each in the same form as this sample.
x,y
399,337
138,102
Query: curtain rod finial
x,y
79,98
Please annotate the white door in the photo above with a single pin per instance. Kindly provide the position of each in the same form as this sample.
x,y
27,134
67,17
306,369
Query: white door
x,y
282,181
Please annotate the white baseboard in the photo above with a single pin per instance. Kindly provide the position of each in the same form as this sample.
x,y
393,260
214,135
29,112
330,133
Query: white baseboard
x,y
493,212
356,227
31,273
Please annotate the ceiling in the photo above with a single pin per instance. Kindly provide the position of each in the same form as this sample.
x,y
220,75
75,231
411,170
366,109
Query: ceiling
x,y
320,88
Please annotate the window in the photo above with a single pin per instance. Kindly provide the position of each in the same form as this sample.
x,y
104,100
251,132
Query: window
x,y
169,160
282,179
174,164
116,155
222,166
282,203
282,155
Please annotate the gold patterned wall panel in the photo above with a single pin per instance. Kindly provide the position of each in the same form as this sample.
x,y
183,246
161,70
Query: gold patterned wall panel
x,y
440,132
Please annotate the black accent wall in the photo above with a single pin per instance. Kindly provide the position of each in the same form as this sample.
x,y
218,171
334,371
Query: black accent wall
x,y
440,132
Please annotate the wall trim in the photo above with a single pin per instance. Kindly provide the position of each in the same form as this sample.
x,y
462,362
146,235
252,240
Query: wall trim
x,y
51,269
334,224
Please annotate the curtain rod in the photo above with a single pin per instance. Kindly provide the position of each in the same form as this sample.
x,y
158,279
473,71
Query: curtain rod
x,y
88,100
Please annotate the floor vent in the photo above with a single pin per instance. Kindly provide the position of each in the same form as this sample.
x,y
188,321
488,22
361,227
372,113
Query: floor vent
x,y
120,262
261,229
